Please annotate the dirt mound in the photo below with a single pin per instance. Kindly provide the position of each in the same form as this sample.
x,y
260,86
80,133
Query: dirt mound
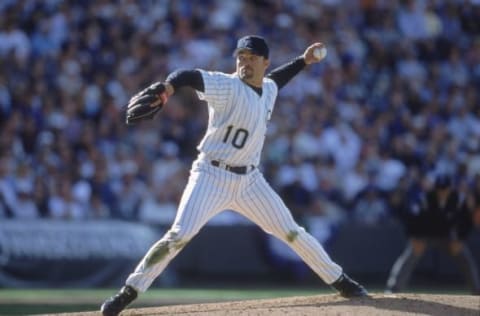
x,y
377,304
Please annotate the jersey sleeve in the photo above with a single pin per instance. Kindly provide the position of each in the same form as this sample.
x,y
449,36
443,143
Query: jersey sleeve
x,y
272,88
218,88
283,74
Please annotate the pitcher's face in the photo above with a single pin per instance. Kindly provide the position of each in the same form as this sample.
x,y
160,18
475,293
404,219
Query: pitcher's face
x,y
250,67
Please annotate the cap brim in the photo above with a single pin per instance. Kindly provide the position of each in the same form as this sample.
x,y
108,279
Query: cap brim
x,y
245,49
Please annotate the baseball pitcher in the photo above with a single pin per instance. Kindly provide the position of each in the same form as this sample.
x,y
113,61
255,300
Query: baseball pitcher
x,y
225,174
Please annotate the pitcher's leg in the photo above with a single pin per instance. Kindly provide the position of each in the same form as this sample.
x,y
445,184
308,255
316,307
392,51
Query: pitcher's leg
x,y
201,200
264,207
204,196
313,253
156,260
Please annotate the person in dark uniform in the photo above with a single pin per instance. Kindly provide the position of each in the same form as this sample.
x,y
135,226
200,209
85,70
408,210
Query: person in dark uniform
x,y
440,218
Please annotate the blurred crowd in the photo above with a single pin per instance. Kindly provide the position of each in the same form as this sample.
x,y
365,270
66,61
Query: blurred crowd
x,y
395,102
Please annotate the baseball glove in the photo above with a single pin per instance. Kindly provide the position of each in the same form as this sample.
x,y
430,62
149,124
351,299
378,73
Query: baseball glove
x,y
145,104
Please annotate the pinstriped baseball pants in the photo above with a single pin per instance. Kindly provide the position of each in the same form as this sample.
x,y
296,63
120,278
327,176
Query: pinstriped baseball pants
x,y
211,190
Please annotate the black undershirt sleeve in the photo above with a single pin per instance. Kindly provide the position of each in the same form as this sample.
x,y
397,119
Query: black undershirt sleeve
x,y
285,72
193,78
186,78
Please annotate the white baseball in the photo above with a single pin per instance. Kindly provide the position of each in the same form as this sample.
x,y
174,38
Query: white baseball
x,y
320,53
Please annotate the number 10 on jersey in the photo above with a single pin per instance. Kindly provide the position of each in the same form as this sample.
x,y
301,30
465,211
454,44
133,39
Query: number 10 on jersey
x,y
236,136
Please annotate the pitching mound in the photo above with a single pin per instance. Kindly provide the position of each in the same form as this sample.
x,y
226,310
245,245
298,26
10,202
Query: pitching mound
x,y
377,304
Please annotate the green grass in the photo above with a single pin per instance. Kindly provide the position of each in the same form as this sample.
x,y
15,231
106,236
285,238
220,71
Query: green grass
x,y
32,309
43,301
208,294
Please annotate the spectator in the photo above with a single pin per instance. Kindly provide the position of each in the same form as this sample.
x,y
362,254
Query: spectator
x,y
24,206
166,166
7,191
40,198
353,183
130,191
389,171
400,75
370,208
158,208
62,204
98,209
412,19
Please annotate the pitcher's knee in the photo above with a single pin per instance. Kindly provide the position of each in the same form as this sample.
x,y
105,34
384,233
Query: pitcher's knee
x,y
293,234
177,239
170,242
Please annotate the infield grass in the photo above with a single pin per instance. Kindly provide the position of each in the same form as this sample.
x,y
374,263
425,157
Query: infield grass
x,y
42,301
52,301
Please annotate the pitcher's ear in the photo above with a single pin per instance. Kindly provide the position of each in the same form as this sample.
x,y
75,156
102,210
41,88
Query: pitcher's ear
x,y
266,62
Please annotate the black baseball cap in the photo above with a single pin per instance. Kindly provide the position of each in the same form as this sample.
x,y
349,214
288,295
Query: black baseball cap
x,y
255,44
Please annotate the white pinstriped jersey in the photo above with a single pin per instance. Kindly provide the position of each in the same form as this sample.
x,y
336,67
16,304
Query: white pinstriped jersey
x,y
238,118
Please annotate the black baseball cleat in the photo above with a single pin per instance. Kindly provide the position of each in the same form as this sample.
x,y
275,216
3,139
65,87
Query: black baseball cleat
x,y
348,288
115,304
